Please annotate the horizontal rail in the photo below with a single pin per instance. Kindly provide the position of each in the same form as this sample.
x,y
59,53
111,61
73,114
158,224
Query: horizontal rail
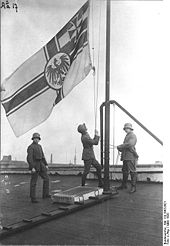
x,y
133,118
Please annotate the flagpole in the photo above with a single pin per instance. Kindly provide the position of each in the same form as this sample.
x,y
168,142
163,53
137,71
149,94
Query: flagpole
x,y
107,98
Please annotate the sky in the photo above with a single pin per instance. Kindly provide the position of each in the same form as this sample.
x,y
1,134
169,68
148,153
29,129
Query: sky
x,y
138,74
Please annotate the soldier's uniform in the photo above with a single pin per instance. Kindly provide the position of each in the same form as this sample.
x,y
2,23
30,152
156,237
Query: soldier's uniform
x,y
88,155
36,160
129,157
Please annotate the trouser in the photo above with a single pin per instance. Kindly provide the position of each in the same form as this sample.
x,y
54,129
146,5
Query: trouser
x,y
34,177
129,166
87,165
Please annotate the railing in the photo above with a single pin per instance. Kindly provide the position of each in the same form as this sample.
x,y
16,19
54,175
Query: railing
x,y
130,115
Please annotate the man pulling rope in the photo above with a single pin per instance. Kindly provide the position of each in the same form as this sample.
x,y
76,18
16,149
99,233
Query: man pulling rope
x,y
88,153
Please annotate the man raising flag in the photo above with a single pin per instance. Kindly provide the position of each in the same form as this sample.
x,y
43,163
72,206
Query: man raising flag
x,y
30,93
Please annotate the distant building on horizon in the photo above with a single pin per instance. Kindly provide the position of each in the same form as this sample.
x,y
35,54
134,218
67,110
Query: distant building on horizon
x,y
7,158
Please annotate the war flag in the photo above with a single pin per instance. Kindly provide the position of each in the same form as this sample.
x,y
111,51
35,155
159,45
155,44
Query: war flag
x,y
31,92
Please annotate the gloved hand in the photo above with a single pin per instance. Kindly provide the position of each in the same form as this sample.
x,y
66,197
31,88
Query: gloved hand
x,y
96,132
33,170
119,147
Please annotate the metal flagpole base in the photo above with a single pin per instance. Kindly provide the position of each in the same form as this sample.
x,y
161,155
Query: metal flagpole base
x,y
111,191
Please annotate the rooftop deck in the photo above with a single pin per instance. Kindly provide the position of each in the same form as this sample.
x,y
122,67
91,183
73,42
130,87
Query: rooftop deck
x,y
127,219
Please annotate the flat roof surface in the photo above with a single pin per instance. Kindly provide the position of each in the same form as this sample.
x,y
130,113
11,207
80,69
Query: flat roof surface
x,y
127,219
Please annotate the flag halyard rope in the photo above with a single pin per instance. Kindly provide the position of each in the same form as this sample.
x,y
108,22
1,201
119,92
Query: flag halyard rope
x,y
94,68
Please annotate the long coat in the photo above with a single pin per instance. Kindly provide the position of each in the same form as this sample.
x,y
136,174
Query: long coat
x,y
127,149
35,156
88,142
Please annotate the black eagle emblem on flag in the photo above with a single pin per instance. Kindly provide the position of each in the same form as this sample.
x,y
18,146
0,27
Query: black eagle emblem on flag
x,y
56,70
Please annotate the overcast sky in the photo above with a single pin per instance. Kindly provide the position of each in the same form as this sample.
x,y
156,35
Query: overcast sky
x,y
138,73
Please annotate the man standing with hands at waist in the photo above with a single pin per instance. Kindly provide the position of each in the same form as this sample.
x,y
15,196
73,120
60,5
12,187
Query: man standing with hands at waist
x,y
88,153
38,166
129,158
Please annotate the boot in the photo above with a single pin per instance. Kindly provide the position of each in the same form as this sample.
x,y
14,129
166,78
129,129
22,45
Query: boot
x,y
83,180
124,182
100,185
46,193
133,182
46,196
100,179
133,189
33,200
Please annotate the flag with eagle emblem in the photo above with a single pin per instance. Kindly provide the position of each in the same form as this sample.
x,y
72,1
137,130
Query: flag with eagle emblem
x,y
30,93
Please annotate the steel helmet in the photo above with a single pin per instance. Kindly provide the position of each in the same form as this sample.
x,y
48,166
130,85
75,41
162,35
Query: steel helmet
x,y
128,125
36,135
81,128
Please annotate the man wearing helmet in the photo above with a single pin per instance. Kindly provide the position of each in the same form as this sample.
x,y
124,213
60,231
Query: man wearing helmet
x,y
88,153
129,157
38,166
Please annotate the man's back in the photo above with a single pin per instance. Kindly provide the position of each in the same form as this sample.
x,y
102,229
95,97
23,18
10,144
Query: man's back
x,y
88,143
